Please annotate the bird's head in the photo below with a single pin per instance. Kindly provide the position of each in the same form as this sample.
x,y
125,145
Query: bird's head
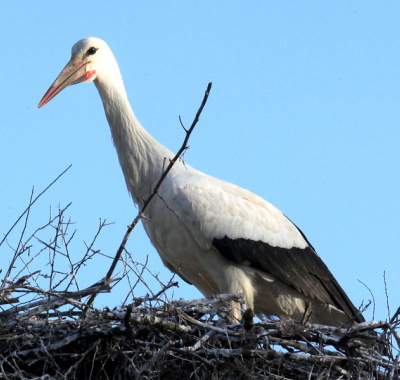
x,y
89,58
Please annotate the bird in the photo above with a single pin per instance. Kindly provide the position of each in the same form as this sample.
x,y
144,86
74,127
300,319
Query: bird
x,y
215,235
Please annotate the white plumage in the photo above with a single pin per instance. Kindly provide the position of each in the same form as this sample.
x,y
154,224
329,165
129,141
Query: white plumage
x,y
215,235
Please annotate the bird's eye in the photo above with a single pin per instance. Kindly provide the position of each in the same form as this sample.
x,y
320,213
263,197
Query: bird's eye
x,y
92,51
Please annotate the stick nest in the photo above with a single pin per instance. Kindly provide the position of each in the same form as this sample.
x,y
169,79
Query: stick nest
x,y
59,337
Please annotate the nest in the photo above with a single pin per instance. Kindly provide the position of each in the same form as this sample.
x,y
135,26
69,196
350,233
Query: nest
x,y
60,337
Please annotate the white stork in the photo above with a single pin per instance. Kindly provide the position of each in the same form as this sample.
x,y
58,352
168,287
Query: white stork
x,y
215,235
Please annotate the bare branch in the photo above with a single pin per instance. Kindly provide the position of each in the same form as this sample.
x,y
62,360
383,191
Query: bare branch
x,y
31,203
155,190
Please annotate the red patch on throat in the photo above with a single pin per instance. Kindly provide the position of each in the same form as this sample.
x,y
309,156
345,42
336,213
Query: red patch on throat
x,y
89,75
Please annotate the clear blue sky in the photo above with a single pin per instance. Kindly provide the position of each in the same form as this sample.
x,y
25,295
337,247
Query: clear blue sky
x,y
304,111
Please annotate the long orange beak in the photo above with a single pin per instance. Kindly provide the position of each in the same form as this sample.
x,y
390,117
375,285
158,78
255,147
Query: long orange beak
x,y
74,72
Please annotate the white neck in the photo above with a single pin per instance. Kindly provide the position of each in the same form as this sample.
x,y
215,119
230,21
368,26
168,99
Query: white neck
x,y
141,157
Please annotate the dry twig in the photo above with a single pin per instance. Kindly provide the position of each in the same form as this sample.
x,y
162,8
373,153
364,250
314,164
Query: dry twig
x,y
140,215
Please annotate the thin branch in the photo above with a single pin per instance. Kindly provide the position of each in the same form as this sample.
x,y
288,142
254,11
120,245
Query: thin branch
x,y
55,298
155,190
386,294
33,202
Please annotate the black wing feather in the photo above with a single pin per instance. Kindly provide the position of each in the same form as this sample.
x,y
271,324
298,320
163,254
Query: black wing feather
x,y
302,269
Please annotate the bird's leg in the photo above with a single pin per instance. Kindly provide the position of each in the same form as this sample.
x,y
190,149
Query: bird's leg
x,y
248,319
